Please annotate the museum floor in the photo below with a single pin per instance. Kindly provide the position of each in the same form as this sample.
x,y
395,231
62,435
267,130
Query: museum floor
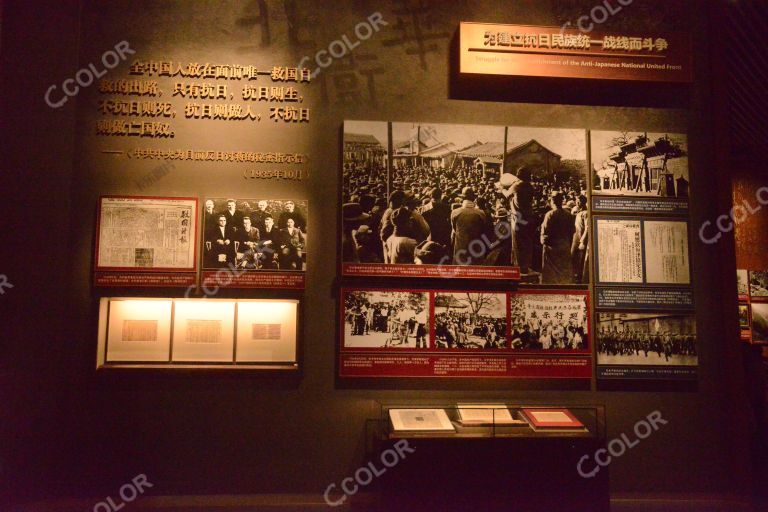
x,y
290,503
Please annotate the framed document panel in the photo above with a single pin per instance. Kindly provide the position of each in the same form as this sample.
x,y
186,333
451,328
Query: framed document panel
x,y
203,331
198,333
266,331
138,330
146,241
642,263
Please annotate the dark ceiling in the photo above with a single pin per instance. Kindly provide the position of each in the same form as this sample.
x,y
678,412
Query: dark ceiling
x,y
747,54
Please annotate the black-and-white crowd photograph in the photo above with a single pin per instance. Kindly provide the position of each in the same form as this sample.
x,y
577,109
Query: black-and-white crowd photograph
x,y
471,320
549,322
455,195
758,283
646,339
364,190
640,164
255,234
545,187
386,319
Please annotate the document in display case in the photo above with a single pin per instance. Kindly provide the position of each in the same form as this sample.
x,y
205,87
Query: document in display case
x,y
266,331
544,419
486,414
472,419
420,420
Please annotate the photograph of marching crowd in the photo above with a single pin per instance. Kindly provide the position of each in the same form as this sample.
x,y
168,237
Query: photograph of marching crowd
x,y
640,164
471,320
386,319
255,234
464,195
646,339
557,322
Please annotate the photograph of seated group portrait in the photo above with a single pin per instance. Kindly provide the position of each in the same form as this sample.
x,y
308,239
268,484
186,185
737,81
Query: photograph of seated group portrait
x,y
463,196
255,234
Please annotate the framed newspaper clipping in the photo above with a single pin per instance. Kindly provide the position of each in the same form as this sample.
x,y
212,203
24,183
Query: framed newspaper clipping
x,y
146,241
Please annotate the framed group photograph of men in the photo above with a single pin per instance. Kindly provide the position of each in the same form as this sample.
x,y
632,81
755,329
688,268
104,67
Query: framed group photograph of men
x,y
253,243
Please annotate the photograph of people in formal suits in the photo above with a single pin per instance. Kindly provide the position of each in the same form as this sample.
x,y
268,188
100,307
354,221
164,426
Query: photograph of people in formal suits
x,y
255,234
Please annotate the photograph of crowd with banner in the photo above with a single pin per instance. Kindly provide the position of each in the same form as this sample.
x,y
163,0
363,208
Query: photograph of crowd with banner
x,y
432,333
549,322
445,200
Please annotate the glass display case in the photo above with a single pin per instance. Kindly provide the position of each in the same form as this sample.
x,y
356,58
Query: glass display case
x,y
487,419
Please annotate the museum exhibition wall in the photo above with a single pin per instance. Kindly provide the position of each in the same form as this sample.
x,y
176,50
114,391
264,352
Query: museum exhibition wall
x,y
262,220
